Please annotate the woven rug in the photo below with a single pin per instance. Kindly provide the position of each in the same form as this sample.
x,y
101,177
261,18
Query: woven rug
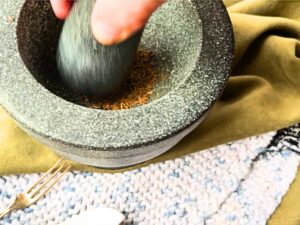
x,y
237,183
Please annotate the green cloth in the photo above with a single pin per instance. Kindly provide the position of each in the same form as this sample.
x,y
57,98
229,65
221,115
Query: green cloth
x,y
262,94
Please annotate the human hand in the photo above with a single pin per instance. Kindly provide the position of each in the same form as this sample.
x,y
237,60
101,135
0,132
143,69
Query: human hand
x,y
113,21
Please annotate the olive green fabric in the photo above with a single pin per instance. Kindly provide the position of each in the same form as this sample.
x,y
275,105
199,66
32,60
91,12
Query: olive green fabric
x,y
263,94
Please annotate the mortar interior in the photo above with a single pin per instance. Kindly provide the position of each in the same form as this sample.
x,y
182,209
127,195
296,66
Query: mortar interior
x,y
174,34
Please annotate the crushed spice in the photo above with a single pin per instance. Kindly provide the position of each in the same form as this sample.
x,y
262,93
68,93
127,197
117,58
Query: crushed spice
x,y
10,19
135,91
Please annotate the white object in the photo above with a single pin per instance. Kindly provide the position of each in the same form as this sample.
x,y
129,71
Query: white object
x,y
99,216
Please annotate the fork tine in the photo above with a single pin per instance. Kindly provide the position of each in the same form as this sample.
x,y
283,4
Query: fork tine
x,y
47,180
54,181
44,175
25,198
4,212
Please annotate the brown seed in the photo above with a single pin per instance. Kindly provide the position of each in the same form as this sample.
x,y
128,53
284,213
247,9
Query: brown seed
x,y
10,19
135,92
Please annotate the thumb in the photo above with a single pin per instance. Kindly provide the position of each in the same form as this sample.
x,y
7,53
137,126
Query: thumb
x,y
113,21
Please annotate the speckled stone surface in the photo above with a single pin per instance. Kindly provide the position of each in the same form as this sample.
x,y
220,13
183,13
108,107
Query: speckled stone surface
x,y
193,43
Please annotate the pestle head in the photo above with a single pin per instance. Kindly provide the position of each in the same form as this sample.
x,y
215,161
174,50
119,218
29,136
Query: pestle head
x,y
84,64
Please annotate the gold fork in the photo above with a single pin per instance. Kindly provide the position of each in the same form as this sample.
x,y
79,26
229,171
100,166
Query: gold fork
x,y
37,190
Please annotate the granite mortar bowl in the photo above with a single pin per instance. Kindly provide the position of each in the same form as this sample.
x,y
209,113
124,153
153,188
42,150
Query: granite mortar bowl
x,y
193,46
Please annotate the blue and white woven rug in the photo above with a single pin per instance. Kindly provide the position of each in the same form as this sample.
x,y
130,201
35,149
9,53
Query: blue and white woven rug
x,y
238,183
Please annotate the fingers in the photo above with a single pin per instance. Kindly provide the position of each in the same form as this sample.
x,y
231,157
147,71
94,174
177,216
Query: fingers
x,y
61,8
113,21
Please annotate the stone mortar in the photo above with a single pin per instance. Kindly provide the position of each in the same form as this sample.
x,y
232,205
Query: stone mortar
x,y
193,46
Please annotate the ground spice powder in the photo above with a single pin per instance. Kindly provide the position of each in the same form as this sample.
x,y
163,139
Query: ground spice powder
x,y
135,91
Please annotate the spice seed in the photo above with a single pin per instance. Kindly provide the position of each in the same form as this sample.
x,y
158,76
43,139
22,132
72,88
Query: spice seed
x,y
135,92
10,19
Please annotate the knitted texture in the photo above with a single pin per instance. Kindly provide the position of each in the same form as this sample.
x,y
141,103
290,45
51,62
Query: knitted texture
x,y
238,183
